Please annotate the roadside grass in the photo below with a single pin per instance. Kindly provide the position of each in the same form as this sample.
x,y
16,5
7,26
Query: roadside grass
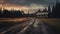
x,y
13,20
8,22
52,22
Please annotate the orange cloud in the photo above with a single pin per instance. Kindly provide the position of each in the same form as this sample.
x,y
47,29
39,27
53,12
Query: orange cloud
x,y
12,6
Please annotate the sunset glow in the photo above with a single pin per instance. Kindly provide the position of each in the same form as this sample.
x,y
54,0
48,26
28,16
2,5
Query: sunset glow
x,y
25,5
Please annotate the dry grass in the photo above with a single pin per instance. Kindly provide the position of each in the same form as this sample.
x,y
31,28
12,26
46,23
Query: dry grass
x,y
14,20
54,22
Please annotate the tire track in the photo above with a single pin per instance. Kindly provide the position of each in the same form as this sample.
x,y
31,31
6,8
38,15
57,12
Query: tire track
x,y
27,28
15,27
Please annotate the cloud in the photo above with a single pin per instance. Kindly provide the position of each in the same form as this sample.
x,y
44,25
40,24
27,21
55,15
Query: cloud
x,y
24,2
29,4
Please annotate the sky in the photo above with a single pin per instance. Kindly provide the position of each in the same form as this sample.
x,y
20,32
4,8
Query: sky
x,y
26,5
